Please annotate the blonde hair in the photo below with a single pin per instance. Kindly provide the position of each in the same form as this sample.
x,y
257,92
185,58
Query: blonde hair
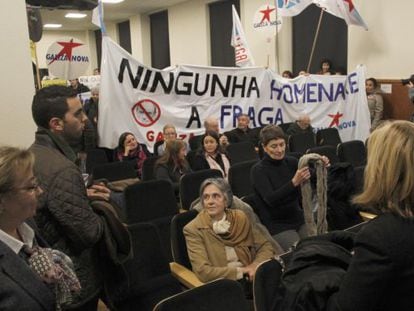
x,y
389,174
12,159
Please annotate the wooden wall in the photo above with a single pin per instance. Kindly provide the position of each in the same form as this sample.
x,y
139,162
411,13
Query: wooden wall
x,y
397,105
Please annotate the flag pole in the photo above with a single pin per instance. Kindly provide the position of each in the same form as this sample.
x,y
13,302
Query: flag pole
x,y
277,40
39,84
314,40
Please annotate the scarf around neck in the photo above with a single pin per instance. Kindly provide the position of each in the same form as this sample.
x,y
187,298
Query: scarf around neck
x,y
60,143
239,235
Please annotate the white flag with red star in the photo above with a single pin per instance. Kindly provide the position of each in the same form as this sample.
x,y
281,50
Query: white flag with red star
x,y
344,9
243,56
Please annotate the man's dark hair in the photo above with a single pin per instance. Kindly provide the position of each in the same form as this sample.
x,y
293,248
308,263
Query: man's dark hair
x,y
51,102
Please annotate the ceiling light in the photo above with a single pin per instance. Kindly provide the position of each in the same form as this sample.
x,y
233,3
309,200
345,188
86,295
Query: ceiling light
x,y
75,15
52,25
112,1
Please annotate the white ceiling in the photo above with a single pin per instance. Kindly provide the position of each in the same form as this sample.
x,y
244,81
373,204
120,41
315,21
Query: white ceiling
x,y
112,13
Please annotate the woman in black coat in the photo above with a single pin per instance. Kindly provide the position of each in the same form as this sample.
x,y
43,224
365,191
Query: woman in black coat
x,y
381,272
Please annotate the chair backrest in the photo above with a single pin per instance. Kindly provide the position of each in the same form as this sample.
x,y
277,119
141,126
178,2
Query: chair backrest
x,y
190,185
265,284
327,151
195,142
115,171
359,178
95,157
148,166
178,244
353,152
239,178
328,136
285,126
191,155
241,152
219,295
149,277
301,142
149,200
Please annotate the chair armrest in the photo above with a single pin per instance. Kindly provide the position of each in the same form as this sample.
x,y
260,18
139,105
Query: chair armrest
x,y
367,216
184,275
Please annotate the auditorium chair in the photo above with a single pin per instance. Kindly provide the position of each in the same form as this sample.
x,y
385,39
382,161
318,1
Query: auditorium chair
x,y
329,136
301,142
353,152
327,151
239,178
241,152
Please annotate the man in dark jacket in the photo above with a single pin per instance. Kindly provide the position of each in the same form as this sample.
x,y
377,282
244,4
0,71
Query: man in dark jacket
x,y
65,218
243,132
301,126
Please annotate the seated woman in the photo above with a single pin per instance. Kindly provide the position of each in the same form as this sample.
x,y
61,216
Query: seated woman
x,y
375,102
130,150
381,273
24,284
221,242
172,165
210,157
276,180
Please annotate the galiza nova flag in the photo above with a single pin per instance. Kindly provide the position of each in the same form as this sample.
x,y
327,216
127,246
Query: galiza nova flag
x,y
291,7
344,9
243,56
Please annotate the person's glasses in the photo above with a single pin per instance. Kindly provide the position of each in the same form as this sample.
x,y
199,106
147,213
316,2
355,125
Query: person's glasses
x,y
34,186
170,134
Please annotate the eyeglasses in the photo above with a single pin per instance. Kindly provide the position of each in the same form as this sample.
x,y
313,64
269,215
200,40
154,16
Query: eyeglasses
x,y
31,188
170,134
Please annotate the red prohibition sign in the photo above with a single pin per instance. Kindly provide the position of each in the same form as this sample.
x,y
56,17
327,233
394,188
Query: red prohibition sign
x,y
146,112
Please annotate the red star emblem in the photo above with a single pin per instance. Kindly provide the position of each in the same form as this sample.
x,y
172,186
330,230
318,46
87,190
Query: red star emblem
x,y
66,50
350,4
266,14
335,119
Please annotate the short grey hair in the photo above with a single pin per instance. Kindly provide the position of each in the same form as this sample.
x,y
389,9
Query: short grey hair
x,y
222,185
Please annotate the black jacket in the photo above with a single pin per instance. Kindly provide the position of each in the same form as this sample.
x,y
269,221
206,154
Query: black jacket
x,y
381,272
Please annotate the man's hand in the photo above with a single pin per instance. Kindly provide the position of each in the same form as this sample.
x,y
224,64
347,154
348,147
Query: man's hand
x,y
98,192
250,270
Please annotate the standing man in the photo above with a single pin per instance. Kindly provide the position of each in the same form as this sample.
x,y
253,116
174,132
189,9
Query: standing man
x,y
65,218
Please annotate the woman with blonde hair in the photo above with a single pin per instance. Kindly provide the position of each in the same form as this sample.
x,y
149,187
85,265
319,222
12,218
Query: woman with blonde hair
x,y
381,272
31,276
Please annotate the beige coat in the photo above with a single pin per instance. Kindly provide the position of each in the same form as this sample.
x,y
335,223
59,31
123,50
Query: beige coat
x,y
207,252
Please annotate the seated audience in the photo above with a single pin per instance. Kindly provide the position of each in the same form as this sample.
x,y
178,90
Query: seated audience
x,y
375,102
210,124
300,126
32,277
210,156
169,134
221,242
91,107
130,150
276,180
173,164
381,272
243,132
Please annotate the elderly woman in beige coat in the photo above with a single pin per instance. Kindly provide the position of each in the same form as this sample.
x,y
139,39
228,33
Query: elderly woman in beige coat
x,y
221,242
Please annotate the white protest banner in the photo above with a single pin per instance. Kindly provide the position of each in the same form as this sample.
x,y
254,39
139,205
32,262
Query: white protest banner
x,y
141,100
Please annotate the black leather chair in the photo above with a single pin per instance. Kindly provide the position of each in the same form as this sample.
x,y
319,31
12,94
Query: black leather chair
x,y
359,178
353,152
239,178
265,284
95,157
152,201
148,166
328,151
328,136
149,278
115,171
191,158
241,152
178,244
219,295
285,126
195,142
301,142
190,185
